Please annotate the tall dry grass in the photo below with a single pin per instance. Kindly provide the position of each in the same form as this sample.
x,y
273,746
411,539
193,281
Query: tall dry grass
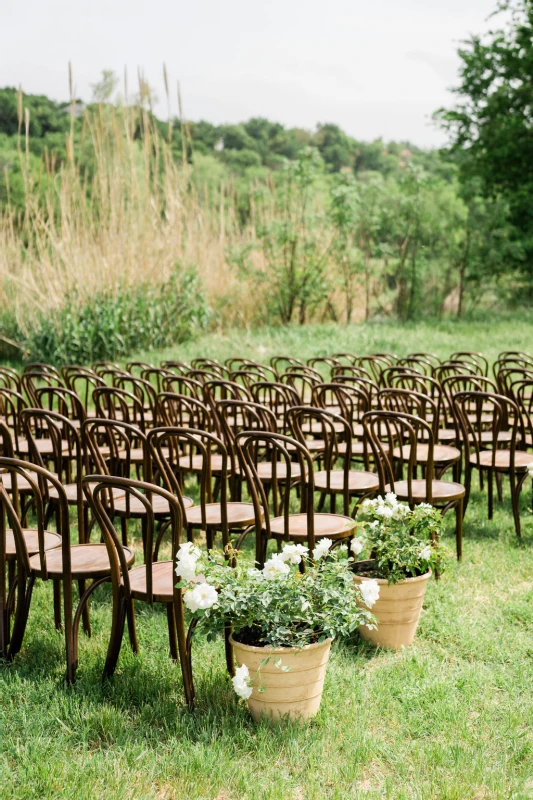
x,y
120,210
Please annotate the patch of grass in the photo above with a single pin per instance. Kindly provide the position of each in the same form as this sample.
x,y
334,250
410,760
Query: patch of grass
x,y
449,717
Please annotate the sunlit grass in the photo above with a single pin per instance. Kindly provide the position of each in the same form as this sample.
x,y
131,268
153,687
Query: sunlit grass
x,y
449,717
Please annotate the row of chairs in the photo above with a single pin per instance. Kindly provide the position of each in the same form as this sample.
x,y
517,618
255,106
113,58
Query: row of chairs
x,y
391,434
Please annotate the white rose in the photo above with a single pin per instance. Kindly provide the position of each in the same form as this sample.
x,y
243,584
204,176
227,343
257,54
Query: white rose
x,y
322,548
425,553
357,545
188,550
186,568
293,553
369,591
202,597
275,567
530,469
390,498
241,682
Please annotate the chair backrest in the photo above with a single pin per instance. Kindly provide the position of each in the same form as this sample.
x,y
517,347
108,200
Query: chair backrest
x,y
389,374
471,357
350,370
143,391
12,513
351,401
523,395
65,401
118,404
155,376
280,451
303,384
83,382
183,411
67,450
98,488
241,415
109,444
393,438
506,376
332,430
405,401
482,417
364,384
449,368
106,366
431,357
177,367
280,363
138,367
166,445
374,364
10,379
32,379
11,405
418,364
181,384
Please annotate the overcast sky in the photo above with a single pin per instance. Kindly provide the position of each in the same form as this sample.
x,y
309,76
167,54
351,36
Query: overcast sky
x,y
375,67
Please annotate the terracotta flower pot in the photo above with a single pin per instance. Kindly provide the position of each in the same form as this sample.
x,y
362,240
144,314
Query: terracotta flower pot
x,y
397,611
295,692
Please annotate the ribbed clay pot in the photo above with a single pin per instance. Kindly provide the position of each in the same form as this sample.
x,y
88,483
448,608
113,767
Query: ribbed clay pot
x,y
397,611
296,692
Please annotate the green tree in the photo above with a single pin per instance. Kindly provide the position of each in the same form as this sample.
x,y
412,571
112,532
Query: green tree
x,y
104,89
490,125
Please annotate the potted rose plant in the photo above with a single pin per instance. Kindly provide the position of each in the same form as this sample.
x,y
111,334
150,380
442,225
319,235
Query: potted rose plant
x,y
283,618
403,547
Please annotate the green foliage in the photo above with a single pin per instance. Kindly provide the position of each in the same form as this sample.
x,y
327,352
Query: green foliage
x,y
280,605
292,241
490,126
403,543
112,325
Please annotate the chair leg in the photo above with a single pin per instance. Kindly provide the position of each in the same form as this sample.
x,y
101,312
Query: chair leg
x,y
22,611
459,528
132,630
71,649
490,481
468,483
124,530
499,487
230,664
85,614
115,640
57,605
515,500
172,634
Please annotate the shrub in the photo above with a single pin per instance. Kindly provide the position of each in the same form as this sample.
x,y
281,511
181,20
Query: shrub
x,y
112,324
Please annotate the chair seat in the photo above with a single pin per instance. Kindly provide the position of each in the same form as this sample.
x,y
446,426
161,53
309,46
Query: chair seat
x,y
44,446
31,537
135,506
359,482
163,581
487,436
136,455
316,427
442,454
240,515
87,561
23,485
264,470
503,459
71,490
446,435
334,526
442,491
194,463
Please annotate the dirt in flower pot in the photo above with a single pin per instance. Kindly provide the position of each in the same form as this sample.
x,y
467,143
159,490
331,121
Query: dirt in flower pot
x,y
252,637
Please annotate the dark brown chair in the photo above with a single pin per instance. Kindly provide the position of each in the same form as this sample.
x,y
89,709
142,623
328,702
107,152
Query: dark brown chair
x,y
224,516
66,563
333,475
389,432
153,582
483,445
306,526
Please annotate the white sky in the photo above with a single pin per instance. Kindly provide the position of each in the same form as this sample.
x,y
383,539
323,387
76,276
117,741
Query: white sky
x,y
374,67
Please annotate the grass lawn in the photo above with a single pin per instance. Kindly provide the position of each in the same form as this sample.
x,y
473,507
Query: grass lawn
x,y
450,717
